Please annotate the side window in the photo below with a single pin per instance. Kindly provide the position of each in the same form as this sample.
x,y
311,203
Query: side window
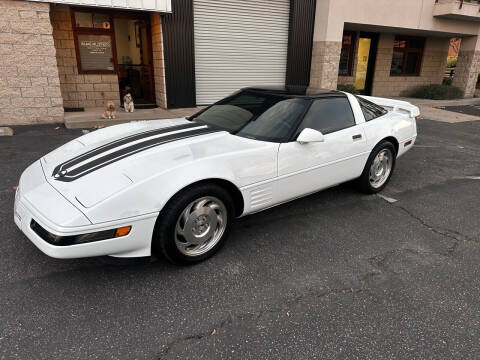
x,y
367,113
329,115
370,111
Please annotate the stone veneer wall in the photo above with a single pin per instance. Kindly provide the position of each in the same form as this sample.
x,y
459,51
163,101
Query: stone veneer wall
x,y
325,61
466,72
29,84
78,90
431,72
158,64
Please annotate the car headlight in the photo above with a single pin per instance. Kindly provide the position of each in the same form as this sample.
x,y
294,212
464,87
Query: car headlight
x,y
78,239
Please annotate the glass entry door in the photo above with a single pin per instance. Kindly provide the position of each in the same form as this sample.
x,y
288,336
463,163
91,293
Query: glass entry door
x,y
135,73
366,54
362,63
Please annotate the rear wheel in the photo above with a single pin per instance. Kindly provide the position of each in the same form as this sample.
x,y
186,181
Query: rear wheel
x,y
194,224
379,168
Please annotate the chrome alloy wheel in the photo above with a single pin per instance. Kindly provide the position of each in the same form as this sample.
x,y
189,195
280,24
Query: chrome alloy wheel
x,y
200,226
381,168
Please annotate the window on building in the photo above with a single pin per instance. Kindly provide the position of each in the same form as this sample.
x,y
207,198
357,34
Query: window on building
x,y
94,42
92,20
328,115
347,54
407,55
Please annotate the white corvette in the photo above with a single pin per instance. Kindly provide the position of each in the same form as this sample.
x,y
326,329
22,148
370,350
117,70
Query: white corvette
x,y
174,186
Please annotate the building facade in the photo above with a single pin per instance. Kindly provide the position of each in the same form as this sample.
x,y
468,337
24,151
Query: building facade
x,y
386,48
59,55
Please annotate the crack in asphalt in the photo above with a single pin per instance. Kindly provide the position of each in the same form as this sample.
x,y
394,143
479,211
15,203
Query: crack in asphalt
x,y
452,234
366,282
378,261
449,233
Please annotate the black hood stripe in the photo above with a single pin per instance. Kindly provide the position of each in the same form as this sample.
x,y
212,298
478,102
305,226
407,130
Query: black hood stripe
x,y
119,142
129,151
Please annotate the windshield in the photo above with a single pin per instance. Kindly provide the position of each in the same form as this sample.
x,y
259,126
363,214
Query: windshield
x,y
255,115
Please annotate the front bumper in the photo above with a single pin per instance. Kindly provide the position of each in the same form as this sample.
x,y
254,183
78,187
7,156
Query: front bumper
x,y
31,201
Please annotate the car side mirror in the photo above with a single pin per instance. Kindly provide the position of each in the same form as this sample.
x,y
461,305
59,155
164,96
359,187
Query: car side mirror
x,y
310,135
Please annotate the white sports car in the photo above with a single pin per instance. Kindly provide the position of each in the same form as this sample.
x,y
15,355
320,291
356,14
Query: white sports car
x,y
173,187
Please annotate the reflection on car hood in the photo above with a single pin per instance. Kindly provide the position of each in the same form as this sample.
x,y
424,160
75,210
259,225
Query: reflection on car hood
x,y
98,165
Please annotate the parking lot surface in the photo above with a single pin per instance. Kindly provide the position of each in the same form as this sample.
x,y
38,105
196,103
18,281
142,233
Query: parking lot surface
x,y
337,274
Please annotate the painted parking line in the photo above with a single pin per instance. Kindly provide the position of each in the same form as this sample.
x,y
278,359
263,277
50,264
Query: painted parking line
x,y
468,177
387,199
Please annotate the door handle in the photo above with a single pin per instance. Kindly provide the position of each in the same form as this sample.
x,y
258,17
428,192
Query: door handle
x,y
356,137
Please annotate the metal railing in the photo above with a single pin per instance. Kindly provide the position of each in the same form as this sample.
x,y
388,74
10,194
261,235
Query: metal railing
x,y
468,1
465,1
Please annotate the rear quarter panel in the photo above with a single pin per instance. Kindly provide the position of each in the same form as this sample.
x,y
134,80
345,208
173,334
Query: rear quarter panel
x,y
393,124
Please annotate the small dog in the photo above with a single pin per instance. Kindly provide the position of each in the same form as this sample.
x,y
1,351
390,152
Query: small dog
x,y
128,103
109,112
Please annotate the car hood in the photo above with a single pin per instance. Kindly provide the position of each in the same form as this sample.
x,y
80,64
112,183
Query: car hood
x,y
96,166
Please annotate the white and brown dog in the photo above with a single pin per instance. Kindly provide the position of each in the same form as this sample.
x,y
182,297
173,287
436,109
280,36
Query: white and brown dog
x,y
128,103
109,112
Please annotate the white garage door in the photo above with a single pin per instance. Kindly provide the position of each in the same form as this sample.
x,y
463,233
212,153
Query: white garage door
x,y
239,43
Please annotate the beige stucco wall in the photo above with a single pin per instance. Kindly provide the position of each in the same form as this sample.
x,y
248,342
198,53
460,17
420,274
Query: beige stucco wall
x,y
29,84
331,15
78,90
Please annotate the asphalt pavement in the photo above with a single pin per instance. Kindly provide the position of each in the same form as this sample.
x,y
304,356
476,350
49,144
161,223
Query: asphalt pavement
x,y
336,275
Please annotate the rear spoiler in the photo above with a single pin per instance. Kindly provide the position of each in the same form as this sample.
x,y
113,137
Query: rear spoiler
x,y
394,105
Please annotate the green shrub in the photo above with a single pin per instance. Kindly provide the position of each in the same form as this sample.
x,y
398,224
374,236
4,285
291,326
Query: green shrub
x,y
350,88
437,92
447,81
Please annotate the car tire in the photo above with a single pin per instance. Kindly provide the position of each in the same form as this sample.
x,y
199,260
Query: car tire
x,y
378,169
199,213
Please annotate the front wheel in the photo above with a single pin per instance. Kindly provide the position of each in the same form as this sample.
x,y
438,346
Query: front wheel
x,y
194,224
379,168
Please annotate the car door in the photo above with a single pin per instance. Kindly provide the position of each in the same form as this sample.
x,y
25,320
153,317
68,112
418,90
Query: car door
x,y
309,167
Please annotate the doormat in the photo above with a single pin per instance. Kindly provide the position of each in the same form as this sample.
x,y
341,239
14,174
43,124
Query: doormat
x,y
464,109
73,109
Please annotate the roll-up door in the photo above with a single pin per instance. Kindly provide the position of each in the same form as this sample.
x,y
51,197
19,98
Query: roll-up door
x,y
239,43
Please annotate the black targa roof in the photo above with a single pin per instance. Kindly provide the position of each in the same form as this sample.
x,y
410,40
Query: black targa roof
x,y
294,91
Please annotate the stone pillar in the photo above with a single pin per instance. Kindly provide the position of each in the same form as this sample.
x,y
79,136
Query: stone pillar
x,y
29,82
468,65
158,64
325,63
326,48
